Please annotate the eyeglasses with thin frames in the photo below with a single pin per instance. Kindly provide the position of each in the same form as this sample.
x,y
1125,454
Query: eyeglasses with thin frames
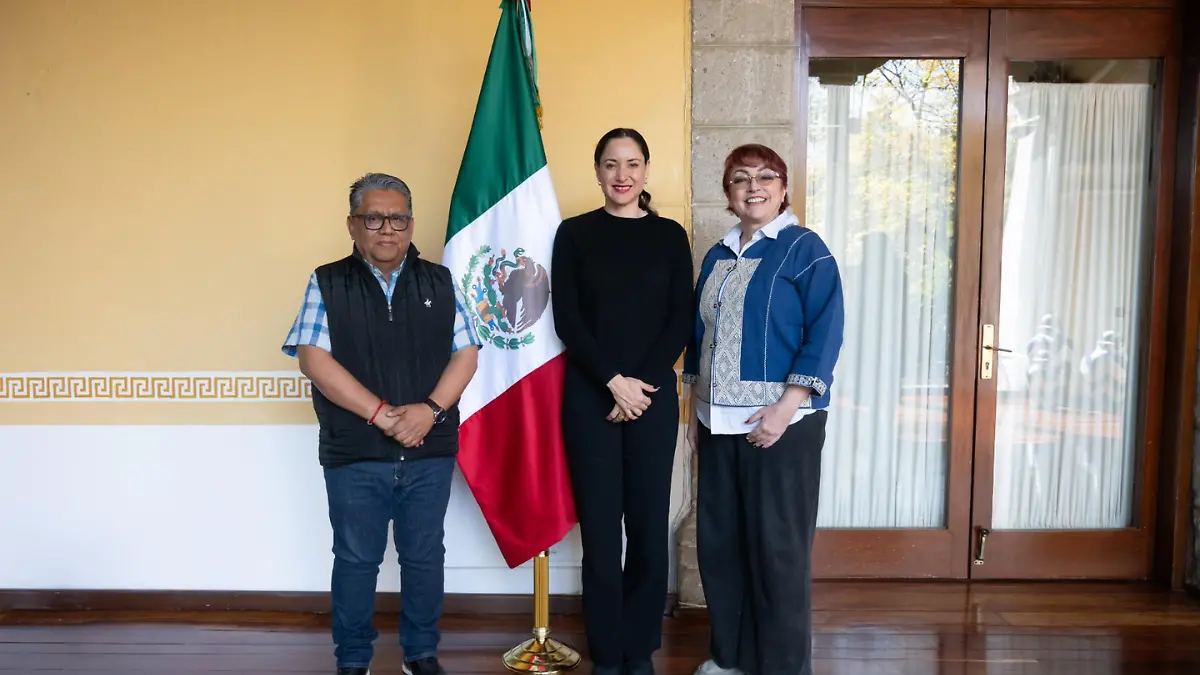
x,y
742,181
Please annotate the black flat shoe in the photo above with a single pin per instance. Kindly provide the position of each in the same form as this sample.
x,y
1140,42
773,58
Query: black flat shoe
x,y
639,668
353,671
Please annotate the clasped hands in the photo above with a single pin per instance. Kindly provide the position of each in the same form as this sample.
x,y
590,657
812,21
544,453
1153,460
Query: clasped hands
x,y
405,424
774,419
631,399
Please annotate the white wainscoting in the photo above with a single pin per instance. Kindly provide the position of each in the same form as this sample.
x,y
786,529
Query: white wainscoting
x,y
209,508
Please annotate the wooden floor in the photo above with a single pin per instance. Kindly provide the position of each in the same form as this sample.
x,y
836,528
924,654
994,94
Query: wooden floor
x,y
861,629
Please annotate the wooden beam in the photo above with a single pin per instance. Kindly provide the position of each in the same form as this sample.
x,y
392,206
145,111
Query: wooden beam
x,y
997,4
259,601
1174,516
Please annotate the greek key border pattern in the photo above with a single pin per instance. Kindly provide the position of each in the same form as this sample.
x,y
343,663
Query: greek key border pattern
x,y
191,387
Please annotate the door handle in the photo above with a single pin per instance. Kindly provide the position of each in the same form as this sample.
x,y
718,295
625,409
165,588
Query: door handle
x,y
983,535
987,351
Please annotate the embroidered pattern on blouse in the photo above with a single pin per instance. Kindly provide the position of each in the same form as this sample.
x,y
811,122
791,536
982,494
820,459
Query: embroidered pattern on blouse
x,y
720,364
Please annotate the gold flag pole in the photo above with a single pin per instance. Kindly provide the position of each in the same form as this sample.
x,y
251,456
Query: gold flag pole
x,y
541,653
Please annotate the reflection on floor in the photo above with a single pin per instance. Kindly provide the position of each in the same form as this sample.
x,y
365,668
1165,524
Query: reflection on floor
x,y
876,628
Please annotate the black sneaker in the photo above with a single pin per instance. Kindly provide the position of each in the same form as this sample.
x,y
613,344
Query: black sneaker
x,y
354,671
426,666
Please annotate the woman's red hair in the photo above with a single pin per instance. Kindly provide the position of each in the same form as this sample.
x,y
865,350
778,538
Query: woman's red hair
x,y
754,154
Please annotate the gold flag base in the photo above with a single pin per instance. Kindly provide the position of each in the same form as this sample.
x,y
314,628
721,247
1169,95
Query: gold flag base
x,y
541,653
541,656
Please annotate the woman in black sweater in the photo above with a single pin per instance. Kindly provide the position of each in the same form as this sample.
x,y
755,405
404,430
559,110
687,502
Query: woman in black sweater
x,y
623,308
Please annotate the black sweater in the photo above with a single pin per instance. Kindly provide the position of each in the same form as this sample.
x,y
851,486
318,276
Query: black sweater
x,y
623,295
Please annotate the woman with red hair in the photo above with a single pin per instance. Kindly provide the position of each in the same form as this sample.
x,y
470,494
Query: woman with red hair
x,y
765,342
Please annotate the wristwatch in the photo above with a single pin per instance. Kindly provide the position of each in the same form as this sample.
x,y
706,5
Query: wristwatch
x,y
439,413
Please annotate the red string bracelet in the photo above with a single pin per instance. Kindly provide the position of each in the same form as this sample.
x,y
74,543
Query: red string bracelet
x,y
376,414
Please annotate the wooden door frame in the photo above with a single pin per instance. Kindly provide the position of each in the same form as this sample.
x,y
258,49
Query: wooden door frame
x,y
1170,519
1040,34
912,552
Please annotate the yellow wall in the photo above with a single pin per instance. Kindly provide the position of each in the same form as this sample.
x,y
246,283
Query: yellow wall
x,y
171,172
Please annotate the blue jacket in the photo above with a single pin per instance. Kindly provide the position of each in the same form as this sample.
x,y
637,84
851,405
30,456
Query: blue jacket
x,y
772,318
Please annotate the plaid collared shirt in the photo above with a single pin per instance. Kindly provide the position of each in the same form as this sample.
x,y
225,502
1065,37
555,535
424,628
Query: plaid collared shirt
x,y
311,326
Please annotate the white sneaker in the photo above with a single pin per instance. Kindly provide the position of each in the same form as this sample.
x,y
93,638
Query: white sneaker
x,y
710,667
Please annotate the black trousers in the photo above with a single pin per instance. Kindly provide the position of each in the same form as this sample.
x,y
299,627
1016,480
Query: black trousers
x,y
756,517
621,471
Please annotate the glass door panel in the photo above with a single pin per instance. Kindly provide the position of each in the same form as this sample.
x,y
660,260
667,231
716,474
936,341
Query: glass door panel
x,y
881,177
1073,280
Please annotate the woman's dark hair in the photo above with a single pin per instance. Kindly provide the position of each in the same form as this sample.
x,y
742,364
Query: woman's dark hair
x,y
632,134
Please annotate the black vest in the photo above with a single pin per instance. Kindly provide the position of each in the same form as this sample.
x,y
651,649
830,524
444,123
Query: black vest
x,y
397,352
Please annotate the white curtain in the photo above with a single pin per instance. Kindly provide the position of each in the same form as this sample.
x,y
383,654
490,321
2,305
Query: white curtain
x,y
881,177
1069,304
882,173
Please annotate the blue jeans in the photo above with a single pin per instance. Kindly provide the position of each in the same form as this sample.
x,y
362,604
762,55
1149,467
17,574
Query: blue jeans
x,y
363,498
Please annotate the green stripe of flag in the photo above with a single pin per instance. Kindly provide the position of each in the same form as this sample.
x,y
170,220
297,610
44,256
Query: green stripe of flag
x,y
505,144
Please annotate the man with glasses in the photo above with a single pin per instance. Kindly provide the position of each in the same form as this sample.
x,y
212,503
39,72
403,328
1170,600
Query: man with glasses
x,y
388,345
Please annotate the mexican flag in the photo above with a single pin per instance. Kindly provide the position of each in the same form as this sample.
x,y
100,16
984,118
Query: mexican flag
x,y
499,239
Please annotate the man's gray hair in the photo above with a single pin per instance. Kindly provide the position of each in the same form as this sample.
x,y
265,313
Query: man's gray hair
x,y
377,181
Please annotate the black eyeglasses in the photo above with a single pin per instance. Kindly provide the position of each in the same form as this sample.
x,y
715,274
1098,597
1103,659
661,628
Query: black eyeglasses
x,y
375,221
